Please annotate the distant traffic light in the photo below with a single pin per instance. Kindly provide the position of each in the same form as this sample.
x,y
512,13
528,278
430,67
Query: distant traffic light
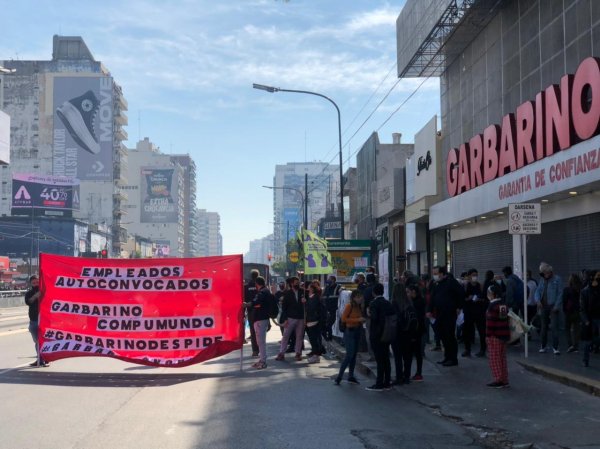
x,y
104,254
269,256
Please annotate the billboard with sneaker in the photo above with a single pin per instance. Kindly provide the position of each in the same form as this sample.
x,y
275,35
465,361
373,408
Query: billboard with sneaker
x,y
83,127
158,204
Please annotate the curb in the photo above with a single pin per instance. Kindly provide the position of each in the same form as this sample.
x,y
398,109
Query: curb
x,y
584,384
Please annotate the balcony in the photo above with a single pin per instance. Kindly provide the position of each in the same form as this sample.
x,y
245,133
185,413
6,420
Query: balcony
x,y
121,118
120,99
121,134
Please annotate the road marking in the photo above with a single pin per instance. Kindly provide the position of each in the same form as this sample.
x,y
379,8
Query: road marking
x,y
16,331
12,318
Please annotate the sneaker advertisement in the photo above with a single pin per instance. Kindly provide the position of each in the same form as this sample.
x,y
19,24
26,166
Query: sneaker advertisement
x,y
83,128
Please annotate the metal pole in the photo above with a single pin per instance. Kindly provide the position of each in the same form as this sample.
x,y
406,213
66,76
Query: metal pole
x,y
306,201
278,89
524,254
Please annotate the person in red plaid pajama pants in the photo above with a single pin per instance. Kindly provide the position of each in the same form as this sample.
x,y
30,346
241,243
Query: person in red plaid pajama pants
x,y
497,335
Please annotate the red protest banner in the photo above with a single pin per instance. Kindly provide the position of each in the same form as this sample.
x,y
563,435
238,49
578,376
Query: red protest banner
x,y
158,312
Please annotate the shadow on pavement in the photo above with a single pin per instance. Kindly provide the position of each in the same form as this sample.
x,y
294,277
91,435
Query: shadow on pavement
x,y
112,380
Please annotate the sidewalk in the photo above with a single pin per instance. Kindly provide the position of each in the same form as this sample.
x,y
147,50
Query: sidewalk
x,y
532,413
565,368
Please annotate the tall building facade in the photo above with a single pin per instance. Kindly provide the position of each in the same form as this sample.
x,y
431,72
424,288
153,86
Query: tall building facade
x,y
259,250
156,191
289,193
209,233
190,228
67,120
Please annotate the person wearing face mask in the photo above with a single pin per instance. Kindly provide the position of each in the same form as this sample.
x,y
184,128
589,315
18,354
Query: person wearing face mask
x,y
292,315
590,314
549,297
497,334
447,297
474,310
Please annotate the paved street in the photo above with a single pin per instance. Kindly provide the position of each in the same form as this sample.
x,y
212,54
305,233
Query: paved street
x,y
101,403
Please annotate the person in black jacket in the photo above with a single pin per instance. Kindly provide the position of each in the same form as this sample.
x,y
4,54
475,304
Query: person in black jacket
x,y
292,317
474,309
260,307
330,299
413,292
406,334
315,317
249,294
378,310
447,297
32,298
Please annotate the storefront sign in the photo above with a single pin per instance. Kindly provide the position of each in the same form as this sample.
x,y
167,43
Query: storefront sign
x,y
560,117
564,171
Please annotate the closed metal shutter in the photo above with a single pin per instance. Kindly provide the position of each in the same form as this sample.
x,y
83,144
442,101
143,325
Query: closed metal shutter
x,y
487,252
568,245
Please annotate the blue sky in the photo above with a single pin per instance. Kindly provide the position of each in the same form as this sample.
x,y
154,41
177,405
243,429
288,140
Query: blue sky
x,y
187,68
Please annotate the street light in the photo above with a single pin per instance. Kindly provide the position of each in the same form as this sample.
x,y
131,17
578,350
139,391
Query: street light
x,y
272,89
304,200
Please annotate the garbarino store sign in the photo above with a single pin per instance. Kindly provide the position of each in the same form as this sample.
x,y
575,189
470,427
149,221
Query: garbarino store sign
x,y
560,117
547,146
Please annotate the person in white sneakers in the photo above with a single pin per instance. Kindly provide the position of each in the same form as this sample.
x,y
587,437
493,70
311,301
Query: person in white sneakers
x,y
549,298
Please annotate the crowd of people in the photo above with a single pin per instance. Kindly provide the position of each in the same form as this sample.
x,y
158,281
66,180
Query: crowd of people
x,y
446,309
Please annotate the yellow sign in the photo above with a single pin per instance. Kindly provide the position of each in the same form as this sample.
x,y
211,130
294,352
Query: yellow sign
x,y
294,257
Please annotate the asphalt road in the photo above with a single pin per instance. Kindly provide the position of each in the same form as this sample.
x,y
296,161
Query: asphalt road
x,y
103,403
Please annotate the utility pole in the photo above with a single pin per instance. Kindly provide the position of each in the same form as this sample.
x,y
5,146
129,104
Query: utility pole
x,y
306,201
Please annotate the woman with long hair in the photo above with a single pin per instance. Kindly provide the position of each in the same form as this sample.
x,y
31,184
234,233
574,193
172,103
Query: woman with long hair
x,y
314,318
352,318
405,334
413,292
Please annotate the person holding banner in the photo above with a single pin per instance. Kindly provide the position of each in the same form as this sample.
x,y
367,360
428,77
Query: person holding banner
x,y
260,306
292,316
32,298
249,294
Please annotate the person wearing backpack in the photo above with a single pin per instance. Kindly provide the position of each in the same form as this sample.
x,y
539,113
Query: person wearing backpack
x,y
413,293
315,317
514,290
351,324
382,330
262,304
406,334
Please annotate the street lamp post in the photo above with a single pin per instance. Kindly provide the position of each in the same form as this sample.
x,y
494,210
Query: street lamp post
x,y
272,89
304,200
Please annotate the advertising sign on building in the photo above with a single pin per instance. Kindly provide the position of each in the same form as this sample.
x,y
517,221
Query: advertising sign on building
x,y
167,312
425,160
161,248
4,138
157,193
83,127
47,195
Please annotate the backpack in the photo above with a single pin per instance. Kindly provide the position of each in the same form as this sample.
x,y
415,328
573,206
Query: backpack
x,y
410,322
273,307
390,324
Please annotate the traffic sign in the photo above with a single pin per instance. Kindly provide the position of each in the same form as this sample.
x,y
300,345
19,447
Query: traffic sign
x,y
524,218
294,257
